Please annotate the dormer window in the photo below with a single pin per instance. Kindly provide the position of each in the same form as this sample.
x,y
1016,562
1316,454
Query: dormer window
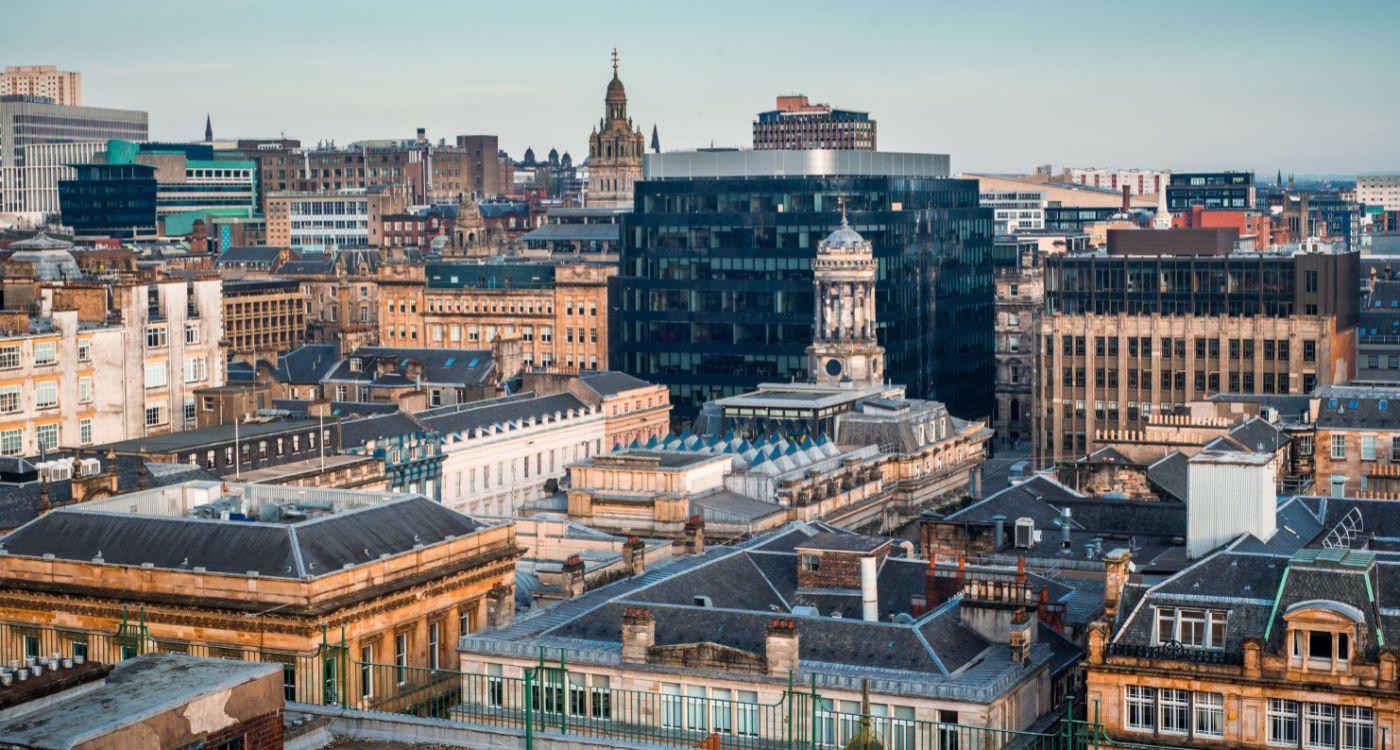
x,y
810,563
356,364
1193,628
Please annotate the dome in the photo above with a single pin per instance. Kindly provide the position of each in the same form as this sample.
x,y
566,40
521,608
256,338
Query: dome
x,y
616,93
50,258
844,237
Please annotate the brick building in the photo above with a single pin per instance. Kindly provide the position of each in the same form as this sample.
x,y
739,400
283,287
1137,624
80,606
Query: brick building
x,y
798,124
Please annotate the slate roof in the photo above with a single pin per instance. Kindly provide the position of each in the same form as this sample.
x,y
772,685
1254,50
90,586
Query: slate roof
x,y
844,542
575,232
1353,407
20,501
172,442
1033,498
455,367
307,364
241,255
355,433
317,266
463,418
1169,474
611,382
309,549
1108,455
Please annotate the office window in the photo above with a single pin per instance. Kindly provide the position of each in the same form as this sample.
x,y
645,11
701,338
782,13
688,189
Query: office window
x,y
1283,722
9,357
46,394
1173,714
1209,715
10,398
1139,706
45,353
47,435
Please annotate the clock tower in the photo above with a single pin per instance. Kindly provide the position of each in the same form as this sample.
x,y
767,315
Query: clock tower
x,y
844,347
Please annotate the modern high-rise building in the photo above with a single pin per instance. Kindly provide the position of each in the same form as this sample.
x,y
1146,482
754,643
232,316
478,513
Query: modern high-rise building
x,y
614,151
64,87
1210,190
715,293
30,120
1379,190
1159,320
799,124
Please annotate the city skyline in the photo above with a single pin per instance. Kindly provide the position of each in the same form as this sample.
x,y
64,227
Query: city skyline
x,y
1043,96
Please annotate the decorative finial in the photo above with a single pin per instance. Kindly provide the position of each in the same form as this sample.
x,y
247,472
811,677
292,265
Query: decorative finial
x,y
614,58
841,201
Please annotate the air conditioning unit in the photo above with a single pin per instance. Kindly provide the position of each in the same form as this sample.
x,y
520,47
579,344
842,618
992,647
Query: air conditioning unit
x,y
89,467
1025,532
55,471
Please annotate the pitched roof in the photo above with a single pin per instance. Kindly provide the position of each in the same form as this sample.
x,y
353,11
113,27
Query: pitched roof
x,y
1169,474
612,382
454,367
463,418
308,549
357,432
249,255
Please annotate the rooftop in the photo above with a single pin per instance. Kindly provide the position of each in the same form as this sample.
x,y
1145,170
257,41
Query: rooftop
x,y
175,442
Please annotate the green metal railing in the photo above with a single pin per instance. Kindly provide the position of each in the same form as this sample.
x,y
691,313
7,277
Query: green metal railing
x,y
550,699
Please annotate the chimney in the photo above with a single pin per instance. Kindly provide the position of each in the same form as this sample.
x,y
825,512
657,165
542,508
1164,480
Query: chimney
x,y
1000,521
991,598
638,634
1065,516
634,555
1021,636
780,647
942,585
695,536
1052,615
572,579
500,606
1127,199
422,136
869,593
1117,566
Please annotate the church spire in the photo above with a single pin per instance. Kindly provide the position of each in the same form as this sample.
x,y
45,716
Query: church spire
x,y
655,140
208,128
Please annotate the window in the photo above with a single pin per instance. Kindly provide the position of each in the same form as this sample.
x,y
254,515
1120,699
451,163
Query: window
x,y
155,375
1319,726
696,708
434,632
191,333
1339,446
190,416
401,658
1194,628
1138,705
671,705
601,694
11,442
156,415
1358,728
46,394
9,357
156,337
811,563
85,431
1173,711
1368,447
1283,722
1209,715
367,671
746,714
10,396
47,435
85,389
45,353
85,350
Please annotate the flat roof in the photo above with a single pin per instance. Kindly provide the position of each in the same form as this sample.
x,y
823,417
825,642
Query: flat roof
x,y
661,459
686,165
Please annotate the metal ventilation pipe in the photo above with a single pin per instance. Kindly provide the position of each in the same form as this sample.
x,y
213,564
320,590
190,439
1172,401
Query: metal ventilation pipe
x,y
869,598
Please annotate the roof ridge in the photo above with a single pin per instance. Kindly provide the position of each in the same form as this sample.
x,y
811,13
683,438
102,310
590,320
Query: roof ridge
x,y
764,576
296,552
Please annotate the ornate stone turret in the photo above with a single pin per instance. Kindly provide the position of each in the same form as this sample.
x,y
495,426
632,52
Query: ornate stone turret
x,y
614,151
844,346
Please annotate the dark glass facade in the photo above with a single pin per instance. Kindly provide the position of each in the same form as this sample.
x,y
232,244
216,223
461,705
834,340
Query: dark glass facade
x,y
1074,218
1210,190
110,200
715,294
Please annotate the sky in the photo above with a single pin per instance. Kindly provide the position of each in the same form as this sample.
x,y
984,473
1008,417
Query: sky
x,y
1300,86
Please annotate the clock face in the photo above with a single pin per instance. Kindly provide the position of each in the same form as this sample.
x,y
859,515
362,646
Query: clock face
x,y
833,367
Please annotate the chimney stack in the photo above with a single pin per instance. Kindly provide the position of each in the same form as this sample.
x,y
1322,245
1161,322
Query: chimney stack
x,y
1021,636
1127,199
695,536
573,579
869,592
780,647
500,606
638,634
634,555
1117,566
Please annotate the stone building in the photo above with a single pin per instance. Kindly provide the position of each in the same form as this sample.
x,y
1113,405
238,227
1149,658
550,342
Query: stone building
x,y
615,149
635,411
1125,336
707,646
557,311
261,573
1282,640
1020,296
844,348
342,295
1356,447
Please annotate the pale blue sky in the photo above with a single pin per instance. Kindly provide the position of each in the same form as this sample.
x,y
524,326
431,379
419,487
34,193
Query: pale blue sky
x,y
1301,86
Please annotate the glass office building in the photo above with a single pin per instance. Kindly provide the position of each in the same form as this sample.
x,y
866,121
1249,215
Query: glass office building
x,y
715,294
1231,191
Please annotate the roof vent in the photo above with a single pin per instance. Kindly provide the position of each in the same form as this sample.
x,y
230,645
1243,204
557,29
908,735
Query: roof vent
x,y
199,569
704,601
